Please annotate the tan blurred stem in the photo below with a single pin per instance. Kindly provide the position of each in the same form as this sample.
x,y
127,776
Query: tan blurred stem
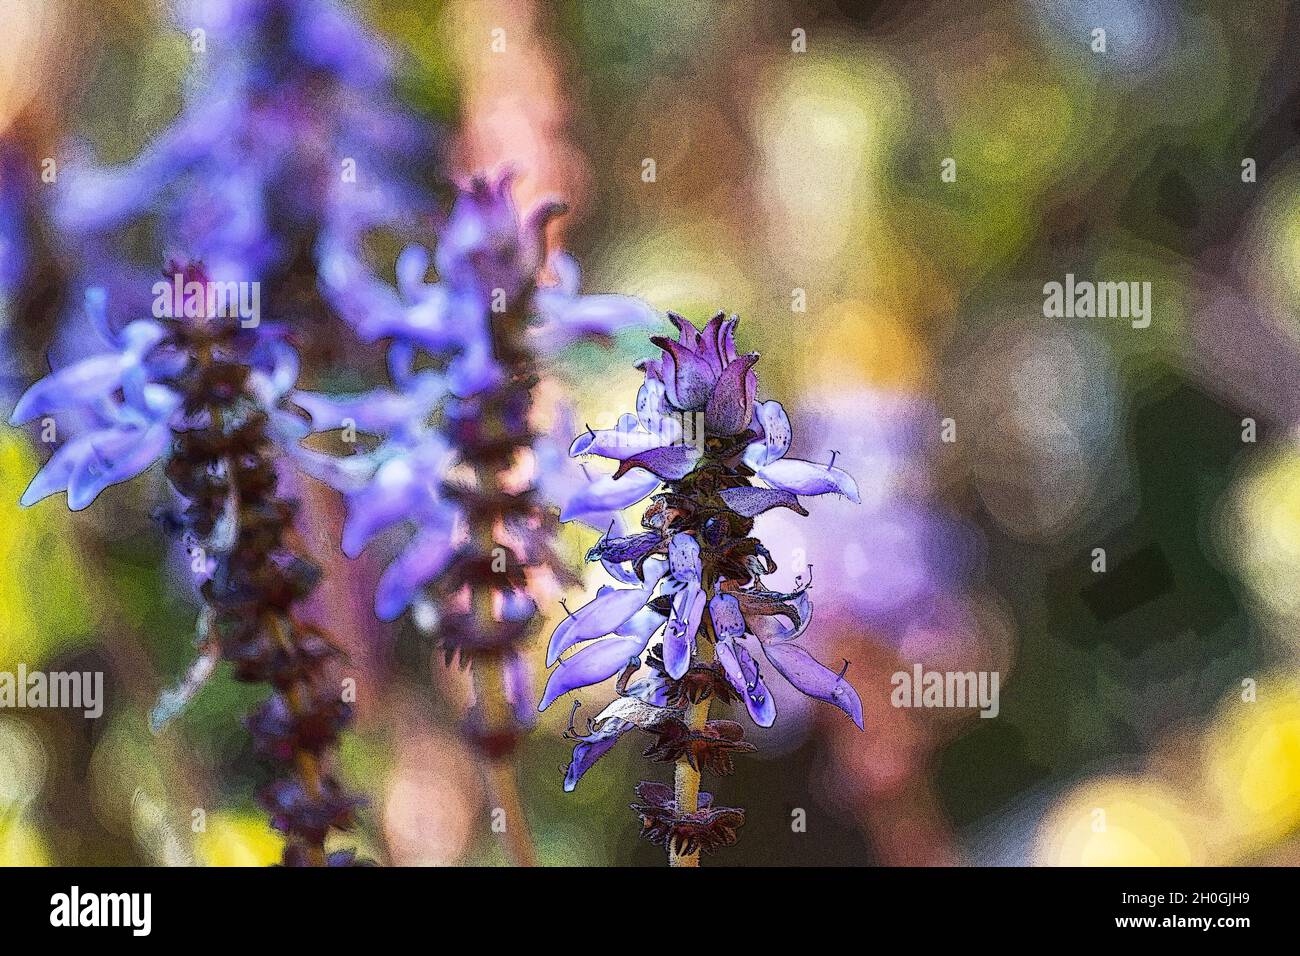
x,y
494,703
502,781
686,779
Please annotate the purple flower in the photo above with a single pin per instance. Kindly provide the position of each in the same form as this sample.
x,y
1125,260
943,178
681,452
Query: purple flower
x,y
120,410
289,134
695,573
701,387
487,261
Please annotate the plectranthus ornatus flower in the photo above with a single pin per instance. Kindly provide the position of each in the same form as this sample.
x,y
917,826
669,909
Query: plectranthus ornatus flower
x,y
694,578
202,393
458,459
289,146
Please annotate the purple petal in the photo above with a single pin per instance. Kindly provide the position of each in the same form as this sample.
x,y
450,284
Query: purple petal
x,y
679,638
814,679
518,687
742,673
591,665
81,383
672,462
687,376
772,628
687,334
749,501
609,610
115,456
774,444
421,561
808,478
711,338
728,622
399,490
607,494
53,477
591,748
631,548
731,405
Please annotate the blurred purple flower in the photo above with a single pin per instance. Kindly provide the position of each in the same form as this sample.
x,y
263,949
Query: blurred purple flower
x,y
120,409
289,146
486,258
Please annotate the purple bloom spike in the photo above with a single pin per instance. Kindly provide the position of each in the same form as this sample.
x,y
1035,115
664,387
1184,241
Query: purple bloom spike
x,y
204,395
447,442
721,625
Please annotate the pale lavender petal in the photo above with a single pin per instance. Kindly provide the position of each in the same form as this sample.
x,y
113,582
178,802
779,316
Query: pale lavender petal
x,y
418,564
115,456
412,265
774,444
642,625
626,438
609,610
567,317
679,638
591,665
750,501
568,273
684,557
348,474
743,675
607,494
814,679
79,384
808,478
655,414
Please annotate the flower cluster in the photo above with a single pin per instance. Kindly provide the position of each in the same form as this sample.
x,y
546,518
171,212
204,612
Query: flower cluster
x,y
289,147
694,577
456,458
204,394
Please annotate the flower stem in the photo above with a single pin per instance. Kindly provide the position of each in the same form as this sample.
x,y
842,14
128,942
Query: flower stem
x,y
686,778
499,772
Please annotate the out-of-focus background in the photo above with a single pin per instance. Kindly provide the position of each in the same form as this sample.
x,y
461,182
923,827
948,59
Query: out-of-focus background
x,y
785,162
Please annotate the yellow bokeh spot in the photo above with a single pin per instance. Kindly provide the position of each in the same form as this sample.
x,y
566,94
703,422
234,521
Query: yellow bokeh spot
x,y
1119,822
872,347
1267,532
21,844
1253,763
237,839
